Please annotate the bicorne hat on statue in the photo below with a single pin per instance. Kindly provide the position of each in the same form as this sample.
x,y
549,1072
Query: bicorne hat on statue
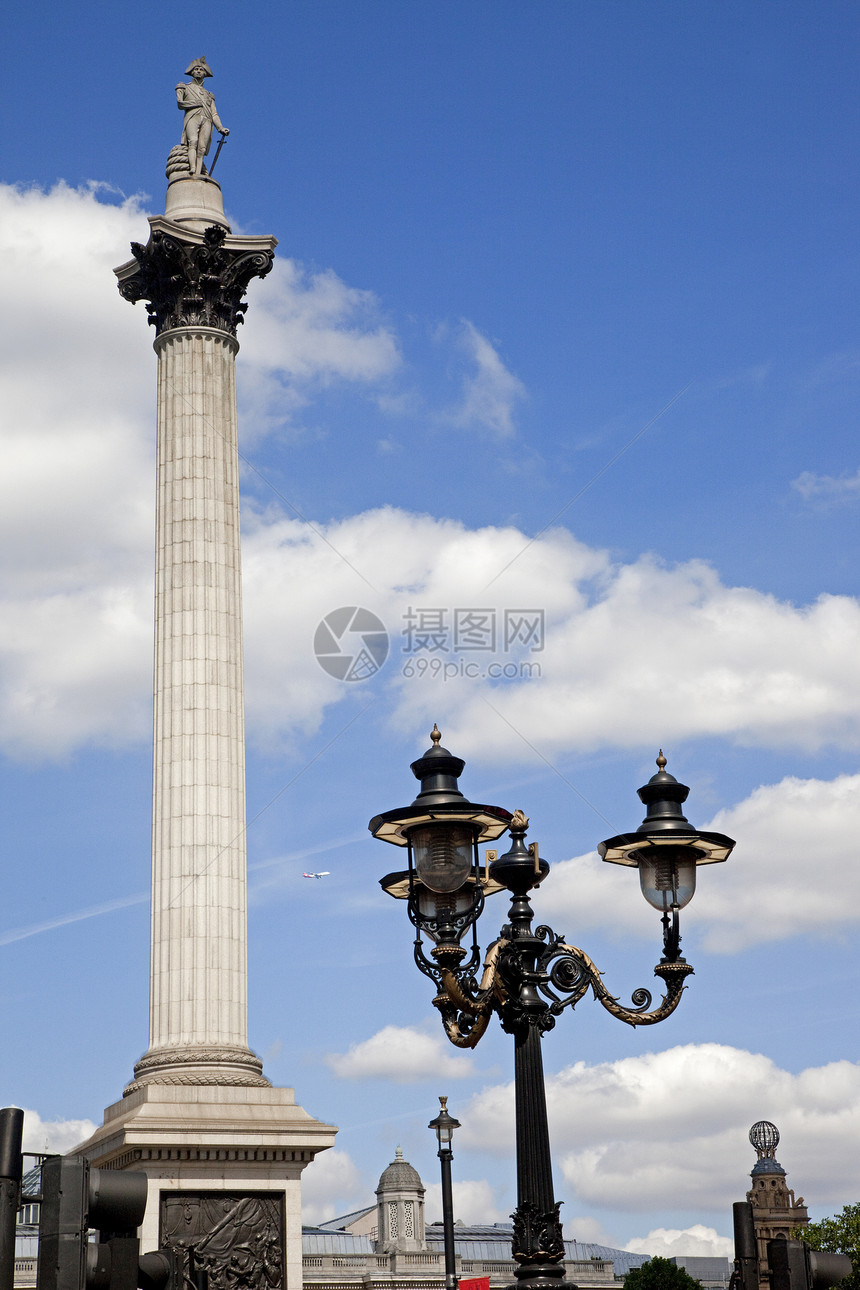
x,y
199,62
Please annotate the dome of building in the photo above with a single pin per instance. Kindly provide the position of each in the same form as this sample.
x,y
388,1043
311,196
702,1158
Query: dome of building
x,y
400,1176
766,1165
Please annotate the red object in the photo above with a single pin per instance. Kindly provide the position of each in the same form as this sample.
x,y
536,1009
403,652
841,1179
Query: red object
x,y
474,1283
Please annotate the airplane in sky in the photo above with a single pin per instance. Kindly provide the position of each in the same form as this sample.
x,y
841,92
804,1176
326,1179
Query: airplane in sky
x,y
323,874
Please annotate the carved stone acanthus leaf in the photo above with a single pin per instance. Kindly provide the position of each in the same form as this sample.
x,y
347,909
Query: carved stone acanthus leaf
x,y
187,284
538,1238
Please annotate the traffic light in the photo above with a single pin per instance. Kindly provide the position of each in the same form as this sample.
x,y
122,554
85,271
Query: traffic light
x,y
11,1129
746,1251
78,1198
794,1266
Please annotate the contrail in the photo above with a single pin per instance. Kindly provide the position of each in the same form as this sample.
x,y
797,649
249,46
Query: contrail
x,y
123,902
21,933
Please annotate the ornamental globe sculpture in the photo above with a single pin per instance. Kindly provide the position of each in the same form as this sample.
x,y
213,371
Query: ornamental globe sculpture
x,y
529,976
764,1136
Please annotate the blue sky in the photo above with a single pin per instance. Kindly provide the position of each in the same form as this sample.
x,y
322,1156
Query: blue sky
x,y
564,319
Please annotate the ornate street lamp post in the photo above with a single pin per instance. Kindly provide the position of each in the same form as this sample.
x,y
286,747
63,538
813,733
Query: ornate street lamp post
x,y
529,976
445,1124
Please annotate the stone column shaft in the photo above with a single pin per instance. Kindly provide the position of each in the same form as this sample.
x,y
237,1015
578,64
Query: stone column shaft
x,y
199,958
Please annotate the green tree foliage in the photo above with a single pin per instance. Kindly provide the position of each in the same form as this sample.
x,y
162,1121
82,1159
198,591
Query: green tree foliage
x,y
661,1274
839,1235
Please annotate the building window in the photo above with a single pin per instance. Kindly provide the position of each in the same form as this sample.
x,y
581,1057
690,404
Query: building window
x,y
392,1219
408,1225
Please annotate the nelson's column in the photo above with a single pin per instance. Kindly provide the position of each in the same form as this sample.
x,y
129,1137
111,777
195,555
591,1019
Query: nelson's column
x,y
222,1149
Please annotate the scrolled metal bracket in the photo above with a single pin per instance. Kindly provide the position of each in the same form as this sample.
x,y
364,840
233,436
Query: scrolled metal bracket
x,y
563,974
466,1005
572,965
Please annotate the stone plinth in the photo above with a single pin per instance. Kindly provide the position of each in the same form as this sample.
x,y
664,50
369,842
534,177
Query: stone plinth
x,y
195,204
207,1139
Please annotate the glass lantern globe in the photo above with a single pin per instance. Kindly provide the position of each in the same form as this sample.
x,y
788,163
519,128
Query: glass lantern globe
x,y
444,914
668,881
443,853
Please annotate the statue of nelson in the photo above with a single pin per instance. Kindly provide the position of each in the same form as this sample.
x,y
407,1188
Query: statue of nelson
x,y
198,104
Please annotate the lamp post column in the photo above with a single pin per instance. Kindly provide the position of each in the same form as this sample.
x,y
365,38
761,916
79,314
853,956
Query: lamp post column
x,y
445,1124
448,1220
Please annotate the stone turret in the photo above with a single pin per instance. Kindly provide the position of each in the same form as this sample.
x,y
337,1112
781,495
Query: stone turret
x,y
775,1210
400,1208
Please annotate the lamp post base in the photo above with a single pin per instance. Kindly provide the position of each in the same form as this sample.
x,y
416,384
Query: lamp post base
x,y
542,1276
538,1247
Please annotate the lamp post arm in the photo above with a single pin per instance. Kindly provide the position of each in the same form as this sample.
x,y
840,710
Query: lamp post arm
x,y
639,1015
466,1015
462,1029
573,972
481,1001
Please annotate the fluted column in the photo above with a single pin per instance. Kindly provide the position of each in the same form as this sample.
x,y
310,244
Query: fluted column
x,y
199,959
193,284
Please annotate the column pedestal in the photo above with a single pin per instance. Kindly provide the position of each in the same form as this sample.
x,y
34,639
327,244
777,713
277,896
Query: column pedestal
x,y
209,1149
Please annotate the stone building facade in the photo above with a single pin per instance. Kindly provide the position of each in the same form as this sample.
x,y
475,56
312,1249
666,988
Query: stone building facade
x,y
389,1246
775,1210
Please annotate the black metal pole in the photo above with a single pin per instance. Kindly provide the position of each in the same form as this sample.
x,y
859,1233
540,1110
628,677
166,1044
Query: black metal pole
x,y
538,1244
538,1238
11,1133
534,1163
445,1155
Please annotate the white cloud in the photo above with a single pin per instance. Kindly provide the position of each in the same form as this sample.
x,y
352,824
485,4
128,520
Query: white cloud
x,y
588,1231
312,326
76,500
744,665
475,1201
784,833
332,1184
827,487
490,392
305,330
78,438
669,1242
54,1136
628,1132
401,1054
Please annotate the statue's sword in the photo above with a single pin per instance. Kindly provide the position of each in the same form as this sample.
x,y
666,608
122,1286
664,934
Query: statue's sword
x,y
217,152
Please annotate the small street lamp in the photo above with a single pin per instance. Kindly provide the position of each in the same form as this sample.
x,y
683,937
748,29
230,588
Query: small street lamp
x,y
445,1124
529,976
